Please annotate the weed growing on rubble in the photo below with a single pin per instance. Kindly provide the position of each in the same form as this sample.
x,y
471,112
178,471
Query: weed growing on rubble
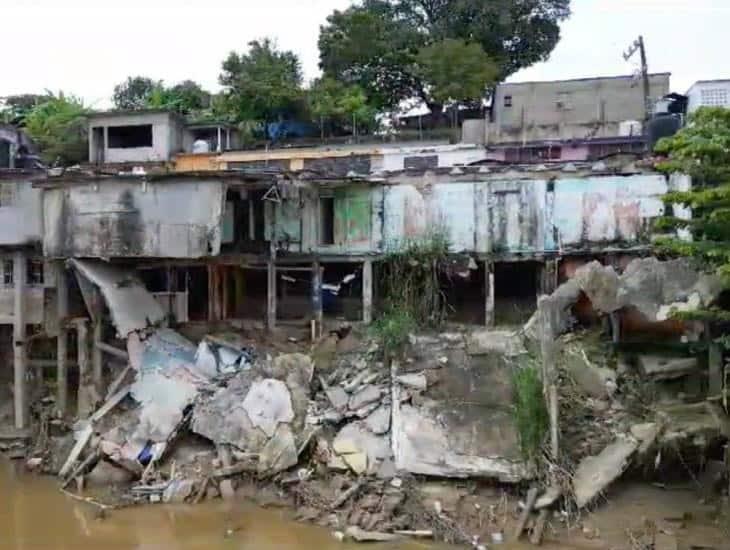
x,y
392,328
410,278
530,411
410,284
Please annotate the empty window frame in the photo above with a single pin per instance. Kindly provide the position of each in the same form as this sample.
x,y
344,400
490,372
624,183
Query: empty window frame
x,y
7,272
130,137
34,272
508,101
326,220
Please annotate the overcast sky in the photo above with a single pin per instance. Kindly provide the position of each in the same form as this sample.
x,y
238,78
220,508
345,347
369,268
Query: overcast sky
x,y
86,46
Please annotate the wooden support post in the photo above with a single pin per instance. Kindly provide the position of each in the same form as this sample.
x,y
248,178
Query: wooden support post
x,y
96,358
714,363
489,293
62,341
367,292
549,372
316,297
20,388
271,293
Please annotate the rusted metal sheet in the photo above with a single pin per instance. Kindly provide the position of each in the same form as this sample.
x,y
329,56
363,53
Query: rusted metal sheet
x,y
175,219
606,209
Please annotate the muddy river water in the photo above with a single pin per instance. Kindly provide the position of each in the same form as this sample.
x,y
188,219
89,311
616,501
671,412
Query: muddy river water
x,y
34,514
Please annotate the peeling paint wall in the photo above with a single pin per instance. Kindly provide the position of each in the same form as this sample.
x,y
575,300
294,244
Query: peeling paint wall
x,y
20,213
606,209
173,219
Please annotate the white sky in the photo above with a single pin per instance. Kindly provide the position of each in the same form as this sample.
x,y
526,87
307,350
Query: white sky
x,y
85,47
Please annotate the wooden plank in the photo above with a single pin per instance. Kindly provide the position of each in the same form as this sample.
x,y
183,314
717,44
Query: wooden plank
x,y
529,504
81,442
110,403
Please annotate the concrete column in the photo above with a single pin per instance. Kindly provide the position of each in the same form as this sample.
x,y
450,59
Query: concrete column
x,y
20,359
317,294
367,292
489,293
62,342
96,359
220,137
85,396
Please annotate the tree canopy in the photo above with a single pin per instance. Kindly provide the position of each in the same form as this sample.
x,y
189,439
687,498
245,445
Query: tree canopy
x,y
135,92
14,108
336,104
141,92
701,150
59,127
263,83
376,44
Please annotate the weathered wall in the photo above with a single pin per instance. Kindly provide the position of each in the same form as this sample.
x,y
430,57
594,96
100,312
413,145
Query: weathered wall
x,y
20,213
166,137
569,109
170,219
606,209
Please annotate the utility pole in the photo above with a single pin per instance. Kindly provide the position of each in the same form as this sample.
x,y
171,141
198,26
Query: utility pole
x,y
638,45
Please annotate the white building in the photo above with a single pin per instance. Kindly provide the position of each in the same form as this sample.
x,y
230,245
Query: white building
x,y
708,93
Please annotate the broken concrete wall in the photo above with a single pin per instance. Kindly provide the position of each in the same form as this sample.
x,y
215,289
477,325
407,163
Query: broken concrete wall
x,y
647,285
131,217
458,421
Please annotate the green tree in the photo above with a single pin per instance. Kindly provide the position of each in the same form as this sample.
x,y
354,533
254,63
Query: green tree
x,y
701,150
59,128
14,108
334,103
187,97
262,84
456,71
135,92
376,44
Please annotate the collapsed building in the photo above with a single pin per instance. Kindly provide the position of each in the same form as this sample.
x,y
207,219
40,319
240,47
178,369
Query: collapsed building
x,y
148,244
297,234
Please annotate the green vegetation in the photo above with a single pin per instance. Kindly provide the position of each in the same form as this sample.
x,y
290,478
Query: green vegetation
x,y
702,150
141,92
409,280
530,411
334,104
58,125
263,83
376,44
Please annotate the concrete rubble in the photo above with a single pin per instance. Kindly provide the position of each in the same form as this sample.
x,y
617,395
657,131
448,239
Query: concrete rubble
x,y
648,285
346,439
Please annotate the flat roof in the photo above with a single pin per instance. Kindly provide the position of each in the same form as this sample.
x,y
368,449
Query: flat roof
x,y
584,79
132,112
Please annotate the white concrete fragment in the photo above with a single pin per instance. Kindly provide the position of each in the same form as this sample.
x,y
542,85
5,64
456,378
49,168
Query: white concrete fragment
x,y
595,473
379,420
367,395
267,404
416,381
